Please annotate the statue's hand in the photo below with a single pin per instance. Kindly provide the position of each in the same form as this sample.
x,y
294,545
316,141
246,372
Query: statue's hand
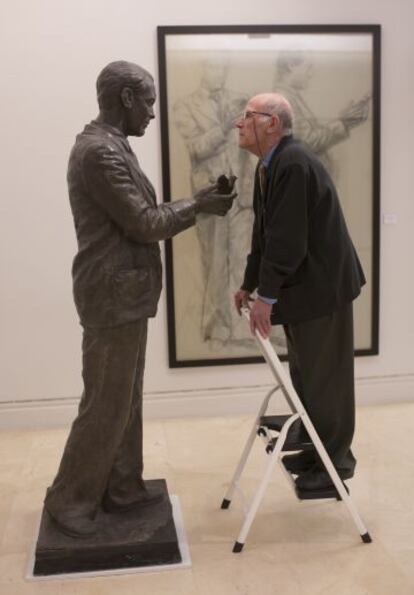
x,y
210,200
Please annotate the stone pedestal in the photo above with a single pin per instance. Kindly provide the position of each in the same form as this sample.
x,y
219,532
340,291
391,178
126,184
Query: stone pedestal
x,y
123,540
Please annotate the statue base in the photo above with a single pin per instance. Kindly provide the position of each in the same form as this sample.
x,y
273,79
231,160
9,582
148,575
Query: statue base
x,y
123,540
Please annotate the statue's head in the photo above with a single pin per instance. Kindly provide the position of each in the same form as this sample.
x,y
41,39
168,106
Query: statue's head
x,y
127,88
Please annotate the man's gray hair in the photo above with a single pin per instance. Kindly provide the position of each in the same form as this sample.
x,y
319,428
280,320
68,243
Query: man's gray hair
x,y
279,105
117,75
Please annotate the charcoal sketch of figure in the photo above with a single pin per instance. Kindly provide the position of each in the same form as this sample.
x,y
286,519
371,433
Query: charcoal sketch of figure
x,y
294,72
205,121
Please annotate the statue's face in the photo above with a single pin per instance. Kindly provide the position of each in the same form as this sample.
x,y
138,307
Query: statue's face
x,y
141,111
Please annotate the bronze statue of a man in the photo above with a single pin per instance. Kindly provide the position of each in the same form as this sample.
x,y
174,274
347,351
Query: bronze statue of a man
x,y
117,283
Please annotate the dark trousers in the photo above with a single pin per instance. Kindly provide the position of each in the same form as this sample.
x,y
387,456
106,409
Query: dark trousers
x,y
321,364
103,452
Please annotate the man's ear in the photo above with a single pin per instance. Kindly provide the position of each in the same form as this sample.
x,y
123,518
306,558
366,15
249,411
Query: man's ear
x,y
127,97
275,124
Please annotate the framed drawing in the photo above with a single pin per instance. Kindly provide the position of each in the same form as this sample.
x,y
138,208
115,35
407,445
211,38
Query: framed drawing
x,y
331,76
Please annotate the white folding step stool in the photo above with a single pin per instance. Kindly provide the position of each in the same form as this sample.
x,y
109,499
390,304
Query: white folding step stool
x,y
263,426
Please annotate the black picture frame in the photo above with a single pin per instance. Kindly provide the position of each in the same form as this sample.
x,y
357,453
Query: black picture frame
x,y
248,53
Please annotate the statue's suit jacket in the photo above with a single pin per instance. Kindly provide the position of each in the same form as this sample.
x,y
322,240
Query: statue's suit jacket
x,y
117,275
301,251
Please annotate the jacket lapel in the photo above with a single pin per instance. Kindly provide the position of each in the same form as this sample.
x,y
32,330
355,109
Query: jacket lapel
x,y
137,174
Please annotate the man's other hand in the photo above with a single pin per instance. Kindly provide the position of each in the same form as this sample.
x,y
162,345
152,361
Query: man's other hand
x,y
209,201
241,299
260,318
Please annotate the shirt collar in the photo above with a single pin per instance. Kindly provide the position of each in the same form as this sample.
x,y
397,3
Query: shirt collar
x,y
268,156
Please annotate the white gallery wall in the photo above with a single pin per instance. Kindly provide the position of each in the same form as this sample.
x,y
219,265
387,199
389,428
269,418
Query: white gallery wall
x,y
51,53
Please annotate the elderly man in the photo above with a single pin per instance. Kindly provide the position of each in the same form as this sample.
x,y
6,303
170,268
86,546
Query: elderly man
x,y
306,272
117,283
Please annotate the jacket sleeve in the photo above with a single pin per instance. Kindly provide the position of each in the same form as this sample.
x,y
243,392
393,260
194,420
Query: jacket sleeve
x,y
109,182
286,229
251,274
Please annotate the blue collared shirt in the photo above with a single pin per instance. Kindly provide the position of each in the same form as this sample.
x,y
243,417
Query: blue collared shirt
x,y
266,158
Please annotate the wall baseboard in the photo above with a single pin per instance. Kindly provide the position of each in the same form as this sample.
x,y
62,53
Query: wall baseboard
x,y
49,413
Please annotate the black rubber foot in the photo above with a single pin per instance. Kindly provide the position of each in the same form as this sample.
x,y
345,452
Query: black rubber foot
x,y
225,504
366,538
237,547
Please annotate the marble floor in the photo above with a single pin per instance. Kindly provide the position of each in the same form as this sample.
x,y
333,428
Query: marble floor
x,y
294,548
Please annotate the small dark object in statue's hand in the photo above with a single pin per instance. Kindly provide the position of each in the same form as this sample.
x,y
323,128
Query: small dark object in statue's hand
x,y
225,184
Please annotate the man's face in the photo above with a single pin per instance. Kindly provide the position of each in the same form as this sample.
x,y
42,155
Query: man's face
x,y
142,110
252,128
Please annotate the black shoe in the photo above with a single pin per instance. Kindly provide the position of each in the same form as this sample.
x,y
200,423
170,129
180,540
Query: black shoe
x,y
317,479
77,527
146,498
299,462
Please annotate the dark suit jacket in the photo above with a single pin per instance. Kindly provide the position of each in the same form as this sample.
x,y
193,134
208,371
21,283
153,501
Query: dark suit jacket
x,y
301,251
117,271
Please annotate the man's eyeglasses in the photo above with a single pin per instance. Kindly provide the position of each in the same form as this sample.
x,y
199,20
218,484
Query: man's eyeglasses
x,y
248,114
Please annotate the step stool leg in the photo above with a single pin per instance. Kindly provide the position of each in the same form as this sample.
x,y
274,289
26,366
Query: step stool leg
x,y
345,497
274,457
246,451
256,503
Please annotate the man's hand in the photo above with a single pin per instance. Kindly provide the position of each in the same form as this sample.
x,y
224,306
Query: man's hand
x,y
209,201
260,318
241,299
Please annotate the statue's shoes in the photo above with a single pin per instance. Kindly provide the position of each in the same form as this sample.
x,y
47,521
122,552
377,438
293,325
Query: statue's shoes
x,y
76,527
146,498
